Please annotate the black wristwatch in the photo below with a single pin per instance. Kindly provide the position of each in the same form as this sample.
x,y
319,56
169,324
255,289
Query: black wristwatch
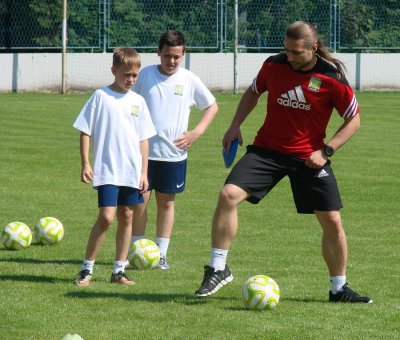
x,y
328,150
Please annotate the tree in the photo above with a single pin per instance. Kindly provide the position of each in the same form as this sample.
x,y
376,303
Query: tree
x,y
126,23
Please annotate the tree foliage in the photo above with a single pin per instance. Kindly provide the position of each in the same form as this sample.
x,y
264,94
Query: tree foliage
x,y
207,24
370,23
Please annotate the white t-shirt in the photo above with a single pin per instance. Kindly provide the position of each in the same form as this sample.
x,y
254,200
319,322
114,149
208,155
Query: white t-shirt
x,y
116,123
169,99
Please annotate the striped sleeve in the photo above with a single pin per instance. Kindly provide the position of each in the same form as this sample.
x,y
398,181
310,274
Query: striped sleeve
x,y
352,109
344,100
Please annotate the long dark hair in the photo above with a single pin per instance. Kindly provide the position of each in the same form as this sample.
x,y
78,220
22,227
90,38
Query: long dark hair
x,y
308,32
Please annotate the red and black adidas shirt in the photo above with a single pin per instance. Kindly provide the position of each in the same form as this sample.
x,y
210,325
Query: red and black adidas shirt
x,y
300,105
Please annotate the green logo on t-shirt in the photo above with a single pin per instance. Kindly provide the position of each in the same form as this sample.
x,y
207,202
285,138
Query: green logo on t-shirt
x,y
135,111
314,84
178,90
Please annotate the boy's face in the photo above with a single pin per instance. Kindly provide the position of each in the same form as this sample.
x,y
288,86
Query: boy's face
x,y
125,77
170,57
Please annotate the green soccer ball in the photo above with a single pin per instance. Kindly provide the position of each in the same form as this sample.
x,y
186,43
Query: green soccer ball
x,y
144,254
48,231
260,292
16,236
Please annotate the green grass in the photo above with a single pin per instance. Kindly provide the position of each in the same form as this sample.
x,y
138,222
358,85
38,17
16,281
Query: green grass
x,y
39,176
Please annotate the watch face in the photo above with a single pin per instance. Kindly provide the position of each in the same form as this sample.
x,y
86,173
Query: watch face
x,y
328,150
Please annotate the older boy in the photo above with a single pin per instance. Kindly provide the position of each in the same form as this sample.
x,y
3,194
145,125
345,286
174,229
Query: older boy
x,y
170,92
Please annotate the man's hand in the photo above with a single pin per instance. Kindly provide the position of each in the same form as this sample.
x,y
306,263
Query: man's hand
x,y
316,160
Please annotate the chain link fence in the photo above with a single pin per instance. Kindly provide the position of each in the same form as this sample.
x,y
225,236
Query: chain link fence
x,y
101,25
368,25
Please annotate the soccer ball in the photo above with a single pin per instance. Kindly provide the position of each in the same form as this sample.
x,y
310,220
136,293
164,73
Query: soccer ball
x,y
260,292
144,254
16,236
48,230
72,336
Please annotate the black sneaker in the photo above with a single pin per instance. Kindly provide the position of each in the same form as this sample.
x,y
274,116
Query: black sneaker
x,y
348,295
213,281
84,278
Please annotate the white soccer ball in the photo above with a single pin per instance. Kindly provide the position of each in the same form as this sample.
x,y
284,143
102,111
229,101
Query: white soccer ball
x,y
16,236
73,336
260,292
48,230
144,254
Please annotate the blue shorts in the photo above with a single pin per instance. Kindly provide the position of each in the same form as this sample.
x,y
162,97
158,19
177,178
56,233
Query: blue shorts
x,y
167,177
113,195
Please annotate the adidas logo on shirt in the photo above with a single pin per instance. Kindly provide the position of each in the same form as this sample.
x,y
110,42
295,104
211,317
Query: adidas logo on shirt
x,y
295,99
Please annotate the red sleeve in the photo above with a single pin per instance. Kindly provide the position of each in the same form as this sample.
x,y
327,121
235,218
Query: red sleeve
x,y
345,101
260,81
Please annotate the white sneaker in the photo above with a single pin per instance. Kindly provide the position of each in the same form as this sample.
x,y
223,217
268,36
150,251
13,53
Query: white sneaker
x,y
128,265
163,265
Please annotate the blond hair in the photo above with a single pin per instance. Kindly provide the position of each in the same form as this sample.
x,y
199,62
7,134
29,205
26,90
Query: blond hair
x,y
126,56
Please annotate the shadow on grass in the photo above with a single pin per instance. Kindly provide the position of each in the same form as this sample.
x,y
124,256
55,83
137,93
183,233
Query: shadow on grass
x,y
305,299
33,278
294,299
47,261
187,299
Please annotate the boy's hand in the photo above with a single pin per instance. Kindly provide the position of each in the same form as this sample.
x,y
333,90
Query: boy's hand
x,y
87,173
144,184
185,141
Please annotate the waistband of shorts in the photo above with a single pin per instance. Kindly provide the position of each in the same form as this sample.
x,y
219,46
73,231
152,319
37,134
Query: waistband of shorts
x,y
264,152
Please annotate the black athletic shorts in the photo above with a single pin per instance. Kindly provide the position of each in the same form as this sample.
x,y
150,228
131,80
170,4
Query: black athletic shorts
x,y
260,169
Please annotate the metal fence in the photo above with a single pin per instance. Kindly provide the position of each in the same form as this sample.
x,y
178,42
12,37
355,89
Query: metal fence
x,y
209,25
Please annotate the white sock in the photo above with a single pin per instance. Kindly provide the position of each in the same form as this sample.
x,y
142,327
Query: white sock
x,y
218,258
119,266
88,265
163,244
337,283
134,238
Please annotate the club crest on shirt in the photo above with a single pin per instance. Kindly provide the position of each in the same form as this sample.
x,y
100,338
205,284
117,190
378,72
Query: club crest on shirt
x,y
178,90
135,111
314,84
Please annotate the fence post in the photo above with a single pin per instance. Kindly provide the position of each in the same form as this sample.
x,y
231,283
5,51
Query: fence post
x,y
64,49
334,25
235,50
105,3
221,34
358,72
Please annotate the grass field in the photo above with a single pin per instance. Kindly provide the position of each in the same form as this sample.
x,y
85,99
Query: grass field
x,y
39,176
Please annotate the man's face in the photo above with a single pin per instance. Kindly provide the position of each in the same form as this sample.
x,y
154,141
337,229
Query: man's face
x,y
301,58
170,58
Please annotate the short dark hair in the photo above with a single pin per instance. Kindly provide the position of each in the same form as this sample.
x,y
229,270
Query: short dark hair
x,y
172,38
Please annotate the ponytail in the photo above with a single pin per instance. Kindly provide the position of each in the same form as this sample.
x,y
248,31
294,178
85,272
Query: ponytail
x,y
308,32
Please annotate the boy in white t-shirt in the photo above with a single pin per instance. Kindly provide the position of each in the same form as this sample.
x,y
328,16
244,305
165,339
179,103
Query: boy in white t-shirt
x,y
170,92
118,123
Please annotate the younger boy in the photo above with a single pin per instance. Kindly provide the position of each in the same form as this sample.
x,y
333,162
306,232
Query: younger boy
x,y
170,92
118,122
